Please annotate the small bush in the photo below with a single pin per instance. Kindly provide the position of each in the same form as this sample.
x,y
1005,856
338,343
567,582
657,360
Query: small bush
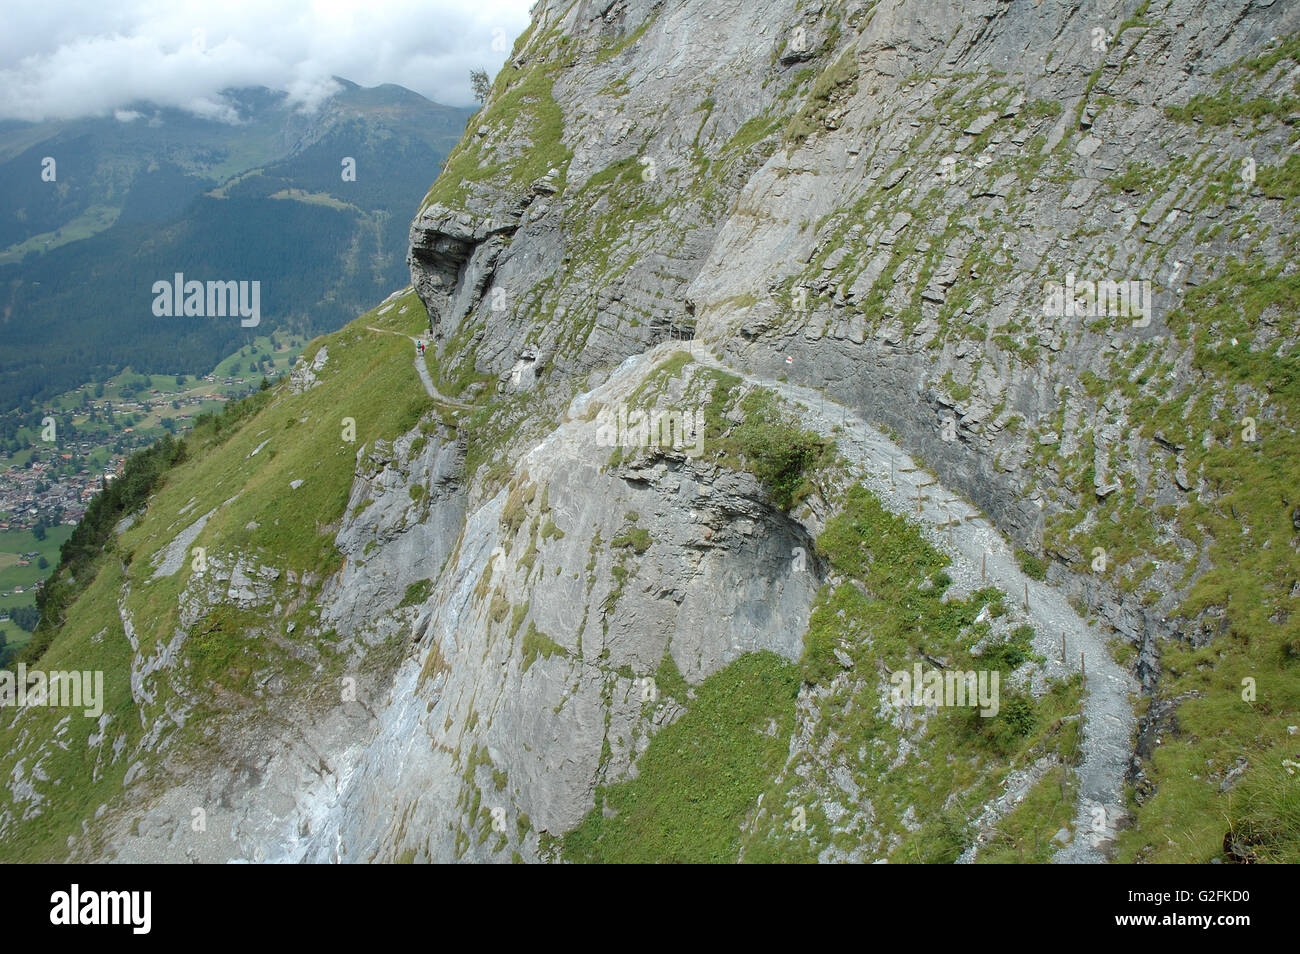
x,y
778,452
1016,718
1014,651
1034,566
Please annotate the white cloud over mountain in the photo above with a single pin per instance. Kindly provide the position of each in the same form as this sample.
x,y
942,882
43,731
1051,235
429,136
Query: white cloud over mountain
x,y
84,57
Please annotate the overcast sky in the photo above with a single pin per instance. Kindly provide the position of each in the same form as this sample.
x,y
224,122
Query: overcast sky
x,y
69,58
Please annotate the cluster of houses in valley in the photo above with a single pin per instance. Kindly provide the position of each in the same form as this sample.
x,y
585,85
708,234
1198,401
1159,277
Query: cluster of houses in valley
x,y
162,401
40,495
48,493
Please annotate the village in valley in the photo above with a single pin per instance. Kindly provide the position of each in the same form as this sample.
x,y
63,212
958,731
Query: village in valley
x,y
56,455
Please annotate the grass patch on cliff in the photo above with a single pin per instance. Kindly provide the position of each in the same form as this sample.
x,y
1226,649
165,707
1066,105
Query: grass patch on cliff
x,y
1228,106
767,443
520,107
700,776
457,369
416,593
1282,181
91,638
751,133
607,53
636,539
538,645
626,202
840,78
779,453
220,652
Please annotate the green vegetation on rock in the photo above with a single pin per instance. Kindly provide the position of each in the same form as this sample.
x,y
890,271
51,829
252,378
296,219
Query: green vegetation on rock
x,y
700,776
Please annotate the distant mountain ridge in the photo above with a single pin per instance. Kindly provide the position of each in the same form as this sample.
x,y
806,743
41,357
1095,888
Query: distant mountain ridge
x,y
126,202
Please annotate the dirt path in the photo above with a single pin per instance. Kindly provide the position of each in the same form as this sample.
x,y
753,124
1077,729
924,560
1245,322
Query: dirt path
x,y
422,370
980,552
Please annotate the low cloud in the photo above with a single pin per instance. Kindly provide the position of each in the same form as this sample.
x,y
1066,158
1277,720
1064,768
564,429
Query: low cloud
x,y
85,59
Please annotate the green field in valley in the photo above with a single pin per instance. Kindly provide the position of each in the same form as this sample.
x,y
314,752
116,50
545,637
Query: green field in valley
x,y
14,545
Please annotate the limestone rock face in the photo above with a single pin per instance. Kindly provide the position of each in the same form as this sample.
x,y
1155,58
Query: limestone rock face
x,y
536,730
737,214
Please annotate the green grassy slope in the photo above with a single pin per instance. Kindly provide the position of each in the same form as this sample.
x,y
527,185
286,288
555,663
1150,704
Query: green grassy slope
x,y
368,377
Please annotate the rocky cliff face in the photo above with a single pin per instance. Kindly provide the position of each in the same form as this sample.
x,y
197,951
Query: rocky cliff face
x,y
887,202
848,244
884,192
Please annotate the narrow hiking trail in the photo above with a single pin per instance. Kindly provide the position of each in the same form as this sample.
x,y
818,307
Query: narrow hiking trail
x,y
980,553
422,369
